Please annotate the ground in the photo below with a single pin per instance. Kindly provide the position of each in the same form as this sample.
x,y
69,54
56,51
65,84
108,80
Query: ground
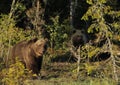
x,y
63,73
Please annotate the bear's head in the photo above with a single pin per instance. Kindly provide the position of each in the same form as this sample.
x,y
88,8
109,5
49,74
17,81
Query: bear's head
x,y
38,46
78,38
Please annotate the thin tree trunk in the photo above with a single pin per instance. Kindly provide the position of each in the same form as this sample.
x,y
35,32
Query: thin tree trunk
x,y
71,13
12,9
37,16
113,60
78,61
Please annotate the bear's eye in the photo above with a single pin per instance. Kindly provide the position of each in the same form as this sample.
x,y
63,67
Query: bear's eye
x,y
39,45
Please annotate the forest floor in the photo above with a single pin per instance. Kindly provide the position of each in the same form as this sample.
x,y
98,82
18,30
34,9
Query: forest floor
x,y
57,74
62,70
63,73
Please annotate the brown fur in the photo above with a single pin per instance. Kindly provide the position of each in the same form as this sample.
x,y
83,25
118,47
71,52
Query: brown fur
x,y
30,53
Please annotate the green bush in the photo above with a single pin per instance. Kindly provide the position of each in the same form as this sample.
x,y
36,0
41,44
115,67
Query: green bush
x,y
58,33
16,74
10,34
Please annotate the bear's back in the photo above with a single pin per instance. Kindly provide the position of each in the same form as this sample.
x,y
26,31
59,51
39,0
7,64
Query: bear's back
x,y
18,50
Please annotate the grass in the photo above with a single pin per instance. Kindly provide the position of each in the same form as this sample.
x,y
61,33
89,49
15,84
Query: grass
x,y
61,74
64,73
65,81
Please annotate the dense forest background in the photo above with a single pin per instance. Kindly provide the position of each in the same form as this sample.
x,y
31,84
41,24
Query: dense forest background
x,y
95,60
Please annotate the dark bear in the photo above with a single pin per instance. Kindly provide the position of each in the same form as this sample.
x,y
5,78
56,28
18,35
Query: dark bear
x,y
30,53
78,38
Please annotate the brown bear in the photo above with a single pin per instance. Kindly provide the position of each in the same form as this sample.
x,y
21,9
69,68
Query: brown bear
x,y
30,53
78,38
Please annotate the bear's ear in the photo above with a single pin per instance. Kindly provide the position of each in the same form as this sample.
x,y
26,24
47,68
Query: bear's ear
x,y
32,40
41,41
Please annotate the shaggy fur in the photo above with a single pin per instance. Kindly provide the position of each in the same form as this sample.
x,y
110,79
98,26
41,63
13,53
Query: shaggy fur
x,y
30,53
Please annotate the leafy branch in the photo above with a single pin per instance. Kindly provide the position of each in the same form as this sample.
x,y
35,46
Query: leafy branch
x,y
101,27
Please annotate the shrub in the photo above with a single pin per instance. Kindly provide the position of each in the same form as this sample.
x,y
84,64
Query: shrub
x,y
16,74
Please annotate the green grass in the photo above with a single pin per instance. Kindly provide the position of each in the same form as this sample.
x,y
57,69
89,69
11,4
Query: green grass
x,y
66,81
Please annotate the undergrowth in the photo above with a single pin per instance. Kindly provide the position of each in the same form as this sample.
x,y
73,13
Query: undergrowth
x,y
15,74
